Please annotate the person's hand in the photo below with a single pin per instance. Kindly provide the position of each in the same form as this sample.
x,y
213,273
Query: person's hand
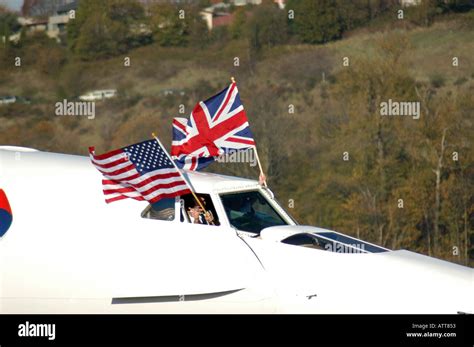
x,y
209,217
262,180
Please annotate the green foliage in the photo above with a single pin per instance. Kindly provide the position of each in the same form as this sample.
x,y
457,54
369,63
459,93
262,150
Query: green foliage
x,y
199,35
267,27
44,54
437,80
315,21
168,28
219,35
37,51
125,11
8,23
237,27
103,29
73,81
178,26
100,37
352,14
424,13
460,81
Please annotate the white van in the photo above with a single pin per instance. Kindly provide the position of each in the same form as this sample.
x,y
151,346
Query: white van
x,y
14,99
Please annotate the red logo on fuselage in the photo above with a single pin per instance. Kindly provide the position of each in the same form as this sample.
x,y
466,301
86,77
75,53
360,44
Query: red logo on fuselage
x,y
5,213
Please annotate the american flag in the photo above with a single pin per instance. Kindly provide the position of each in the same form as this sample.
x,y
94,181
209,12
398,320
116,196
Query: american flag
x,y
142,171
215,127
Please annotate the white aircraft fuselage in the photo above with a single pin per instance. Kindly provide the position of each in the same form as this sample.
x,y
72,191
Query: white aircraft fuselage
x,y
67,251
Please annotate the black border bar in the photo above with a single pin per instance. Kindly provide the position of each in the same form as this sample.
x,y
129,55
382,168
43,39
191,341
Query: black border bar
x,y
243,329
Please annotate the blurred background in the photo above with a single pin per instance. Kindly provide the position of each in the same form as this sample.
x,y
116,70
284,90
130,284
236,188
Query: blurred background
x,y
311,75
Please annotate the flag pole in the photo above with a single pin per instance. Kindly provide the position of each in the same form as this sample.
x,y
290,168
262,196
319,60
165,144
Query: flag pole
x,y
260,166
256,153
181,174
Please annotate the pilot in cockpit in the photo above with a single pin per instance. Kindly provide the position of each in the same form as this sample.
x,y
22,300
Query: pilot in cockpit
x,y
198,216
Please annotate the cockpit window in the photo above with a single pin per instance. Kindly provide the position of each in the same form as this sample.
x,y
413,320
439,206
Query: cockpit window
x,y
163,209
188,202
250,211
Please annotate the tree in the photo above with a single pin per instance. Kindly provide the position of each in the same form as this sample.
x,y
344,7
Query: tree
x,y
352,14
169,26
425,11
267,27
8,25
238,25
178,26
8,21
373,177
315,21
125,11
199,35
103,28
100,37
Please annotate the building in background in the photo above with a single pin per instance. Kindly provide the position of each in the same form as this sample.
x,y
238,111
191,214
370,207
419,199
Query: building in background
x,y
217,15
245,2
57,22
42,8
53,25
406,3
33,25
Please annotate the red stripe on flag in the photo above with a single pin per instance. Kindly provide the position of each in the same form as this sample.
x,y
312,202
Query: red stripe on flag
x,y
224,104
119,171
179,125
145,181
239,140
119,190
193,163
121,197
111,164
106,155
146,192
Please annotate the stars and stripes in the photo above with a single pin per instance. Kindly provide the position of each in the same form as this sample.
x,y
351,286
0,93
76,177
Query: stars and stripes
x,y
141,171
215,127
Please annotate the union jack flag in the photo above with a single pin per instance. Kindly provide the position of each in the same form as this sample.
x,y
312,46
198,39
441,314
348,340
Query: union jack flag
x,y
142,172
215,127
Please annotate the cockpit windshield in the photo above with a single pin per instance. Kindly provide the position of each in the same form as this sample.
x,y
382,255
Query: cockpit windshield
x,y
250,211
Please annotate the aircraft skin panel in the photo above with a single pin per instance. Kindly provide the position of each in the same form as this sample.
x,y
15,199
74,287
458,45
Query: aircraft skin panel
x,y
144,265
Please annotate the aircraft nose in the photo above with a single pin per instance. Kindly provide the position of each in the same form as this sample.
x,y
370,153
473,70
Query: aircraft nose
x,y
5,213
